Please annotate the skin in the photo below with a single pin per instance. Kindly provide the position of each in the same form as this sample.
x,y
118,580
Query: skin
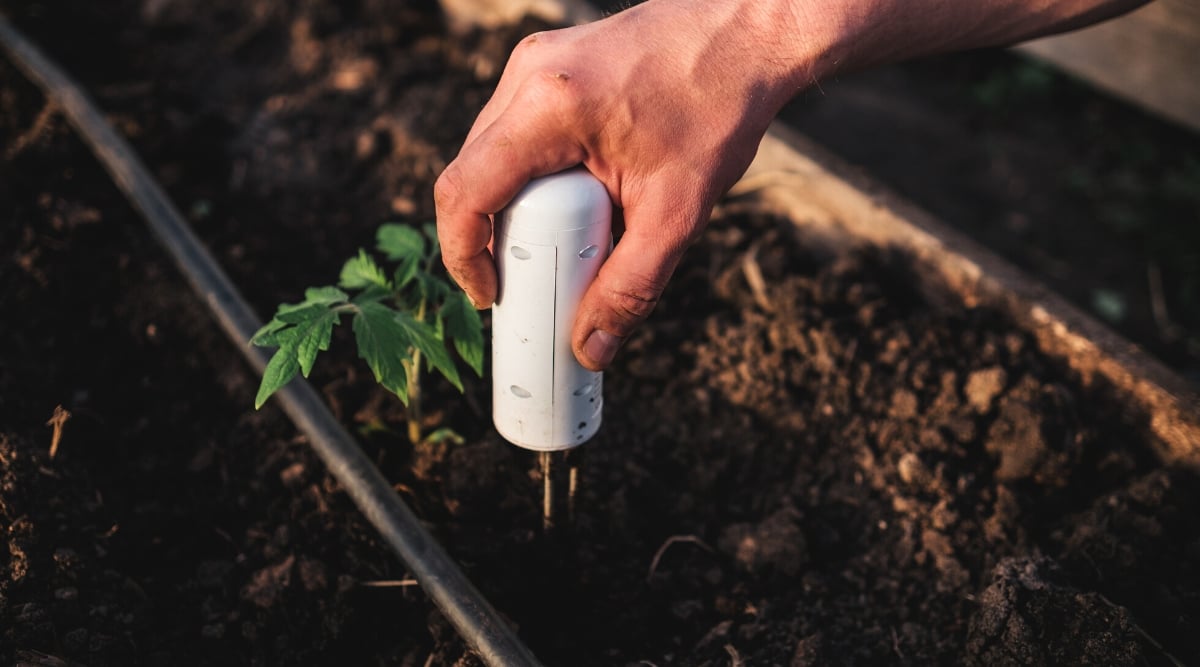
x,y
666,103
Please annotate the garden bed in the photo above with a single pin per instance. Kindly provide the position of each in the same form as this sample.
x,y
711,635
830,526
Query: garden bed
x,y
808,455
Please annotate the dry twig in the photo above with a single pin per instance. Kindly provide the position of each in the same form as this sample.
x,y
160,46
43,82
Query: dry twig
x,y
735,659
754,277
389,583
35,131
674,539
56,421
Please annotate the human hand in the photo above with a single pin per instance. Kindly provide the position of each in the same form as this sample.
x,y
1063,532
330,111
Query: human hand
x,y
665,103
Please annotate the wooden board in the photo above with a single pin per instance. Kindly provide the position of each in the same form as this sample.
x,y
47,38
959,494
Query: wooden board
x,y
1150,57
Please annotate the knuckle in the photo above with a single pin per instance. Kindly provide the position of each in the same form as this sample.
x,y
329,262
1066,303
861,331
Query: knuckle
x,y
448,189
528,41
632,303
527,46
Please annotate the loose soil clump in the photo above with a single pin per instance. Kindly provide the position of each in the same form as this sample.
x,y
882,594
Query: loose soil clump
x,y
822,466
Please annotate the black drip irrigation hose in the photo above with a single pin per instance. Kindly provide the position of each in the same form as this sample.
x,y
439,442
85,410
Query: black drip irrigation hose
x,y
474,618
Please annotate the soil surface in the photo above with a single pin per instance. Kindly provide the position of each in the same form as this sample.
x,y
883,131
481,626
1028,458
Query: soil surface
x,y
819,467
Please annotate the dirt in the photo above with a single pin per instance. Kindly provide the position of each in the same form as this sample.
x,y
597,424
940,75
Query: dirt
x,y
832,468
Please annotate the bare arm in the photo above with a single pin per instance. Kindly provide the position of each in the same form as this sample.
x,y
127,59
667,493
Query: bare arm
x,y
666,103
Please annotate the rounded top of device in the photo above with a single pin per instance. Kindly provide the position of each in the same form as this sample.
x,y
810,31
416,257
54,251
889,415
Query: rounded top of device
x,y
559,202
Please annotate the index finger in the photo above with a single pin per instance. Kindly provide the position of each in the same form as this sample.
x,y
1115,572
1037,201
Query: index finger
x,y
482,180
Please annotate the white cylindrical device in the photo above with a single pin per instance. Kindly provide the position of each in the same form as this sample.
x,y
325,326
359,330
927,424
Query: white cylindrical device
x,y
549,244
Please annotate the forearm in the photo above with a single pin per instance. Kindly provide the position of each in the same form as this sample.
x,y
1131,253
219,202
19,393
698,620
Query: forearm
x,y
765,51
854,34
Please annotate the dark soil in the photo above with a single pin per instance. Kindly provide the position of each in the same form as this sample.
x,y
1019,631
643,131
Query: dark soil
x,y
831,469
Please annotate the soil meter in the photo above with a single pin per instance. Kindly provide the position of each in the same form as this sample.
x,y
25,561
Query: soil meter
x,y
549,244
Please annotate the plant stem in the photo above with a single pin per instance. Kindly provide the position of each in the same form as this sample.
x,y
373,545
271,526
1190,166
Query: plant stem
x,y
412,411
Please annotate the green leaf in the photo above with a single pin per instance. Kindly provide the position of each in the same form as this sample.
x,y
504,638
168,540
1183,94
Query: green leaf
x,y
372,294
444,434
325,295
422,336
406,272
279,332
400,242
362,271
280,370
465,329
432,288
383,344
268,334
304,314
312,337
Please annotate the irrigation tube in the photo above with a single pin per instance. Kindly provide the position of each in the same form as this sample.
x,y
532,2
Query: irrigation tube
x,y
439,576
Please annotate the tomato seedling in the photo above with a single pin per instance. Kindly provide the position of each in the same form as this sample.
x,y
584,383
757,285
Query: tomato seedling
x,y
399,321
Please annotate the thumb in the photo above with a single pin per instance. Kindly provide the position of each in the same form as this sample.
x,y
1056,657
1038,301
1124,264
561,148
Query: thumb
x,y
623,294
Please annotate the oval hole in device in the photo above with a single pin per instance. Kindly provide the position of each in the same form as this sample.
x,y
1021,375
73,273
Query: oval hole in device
x,y
519,252
589,252
520,392
582,390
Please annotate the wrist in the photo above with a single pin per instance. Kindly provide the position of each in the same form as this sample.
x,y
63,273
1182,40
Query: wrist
x,y
763,51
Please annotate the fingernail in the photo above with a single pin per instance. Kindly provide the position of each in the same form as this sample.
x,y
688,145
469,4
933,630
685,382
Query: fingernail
x,y
601,347
477,303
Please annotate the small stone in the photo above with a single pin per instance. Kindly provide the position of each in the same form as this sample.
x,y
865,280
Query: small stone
x,y
292,475
403,206
1016,439
904,404
355,74
983,386
365,145
912,470
776,542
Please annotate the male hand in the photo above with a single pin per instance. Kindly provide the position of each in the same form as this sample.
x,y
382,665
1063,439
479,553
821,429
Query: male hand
x,y
665,103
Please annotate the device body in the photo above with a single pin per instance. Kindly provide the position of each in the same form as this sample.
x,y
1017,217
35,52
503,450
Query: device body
x,y
549,244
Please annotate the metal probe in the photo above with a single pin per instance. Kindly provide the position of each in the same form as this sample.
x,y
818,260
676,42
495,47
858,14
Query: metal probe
x,y
549,244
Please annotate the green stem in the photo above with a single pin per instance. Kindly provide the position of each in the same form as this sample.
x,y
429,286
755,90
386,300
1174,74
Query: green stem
x,y
413,409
